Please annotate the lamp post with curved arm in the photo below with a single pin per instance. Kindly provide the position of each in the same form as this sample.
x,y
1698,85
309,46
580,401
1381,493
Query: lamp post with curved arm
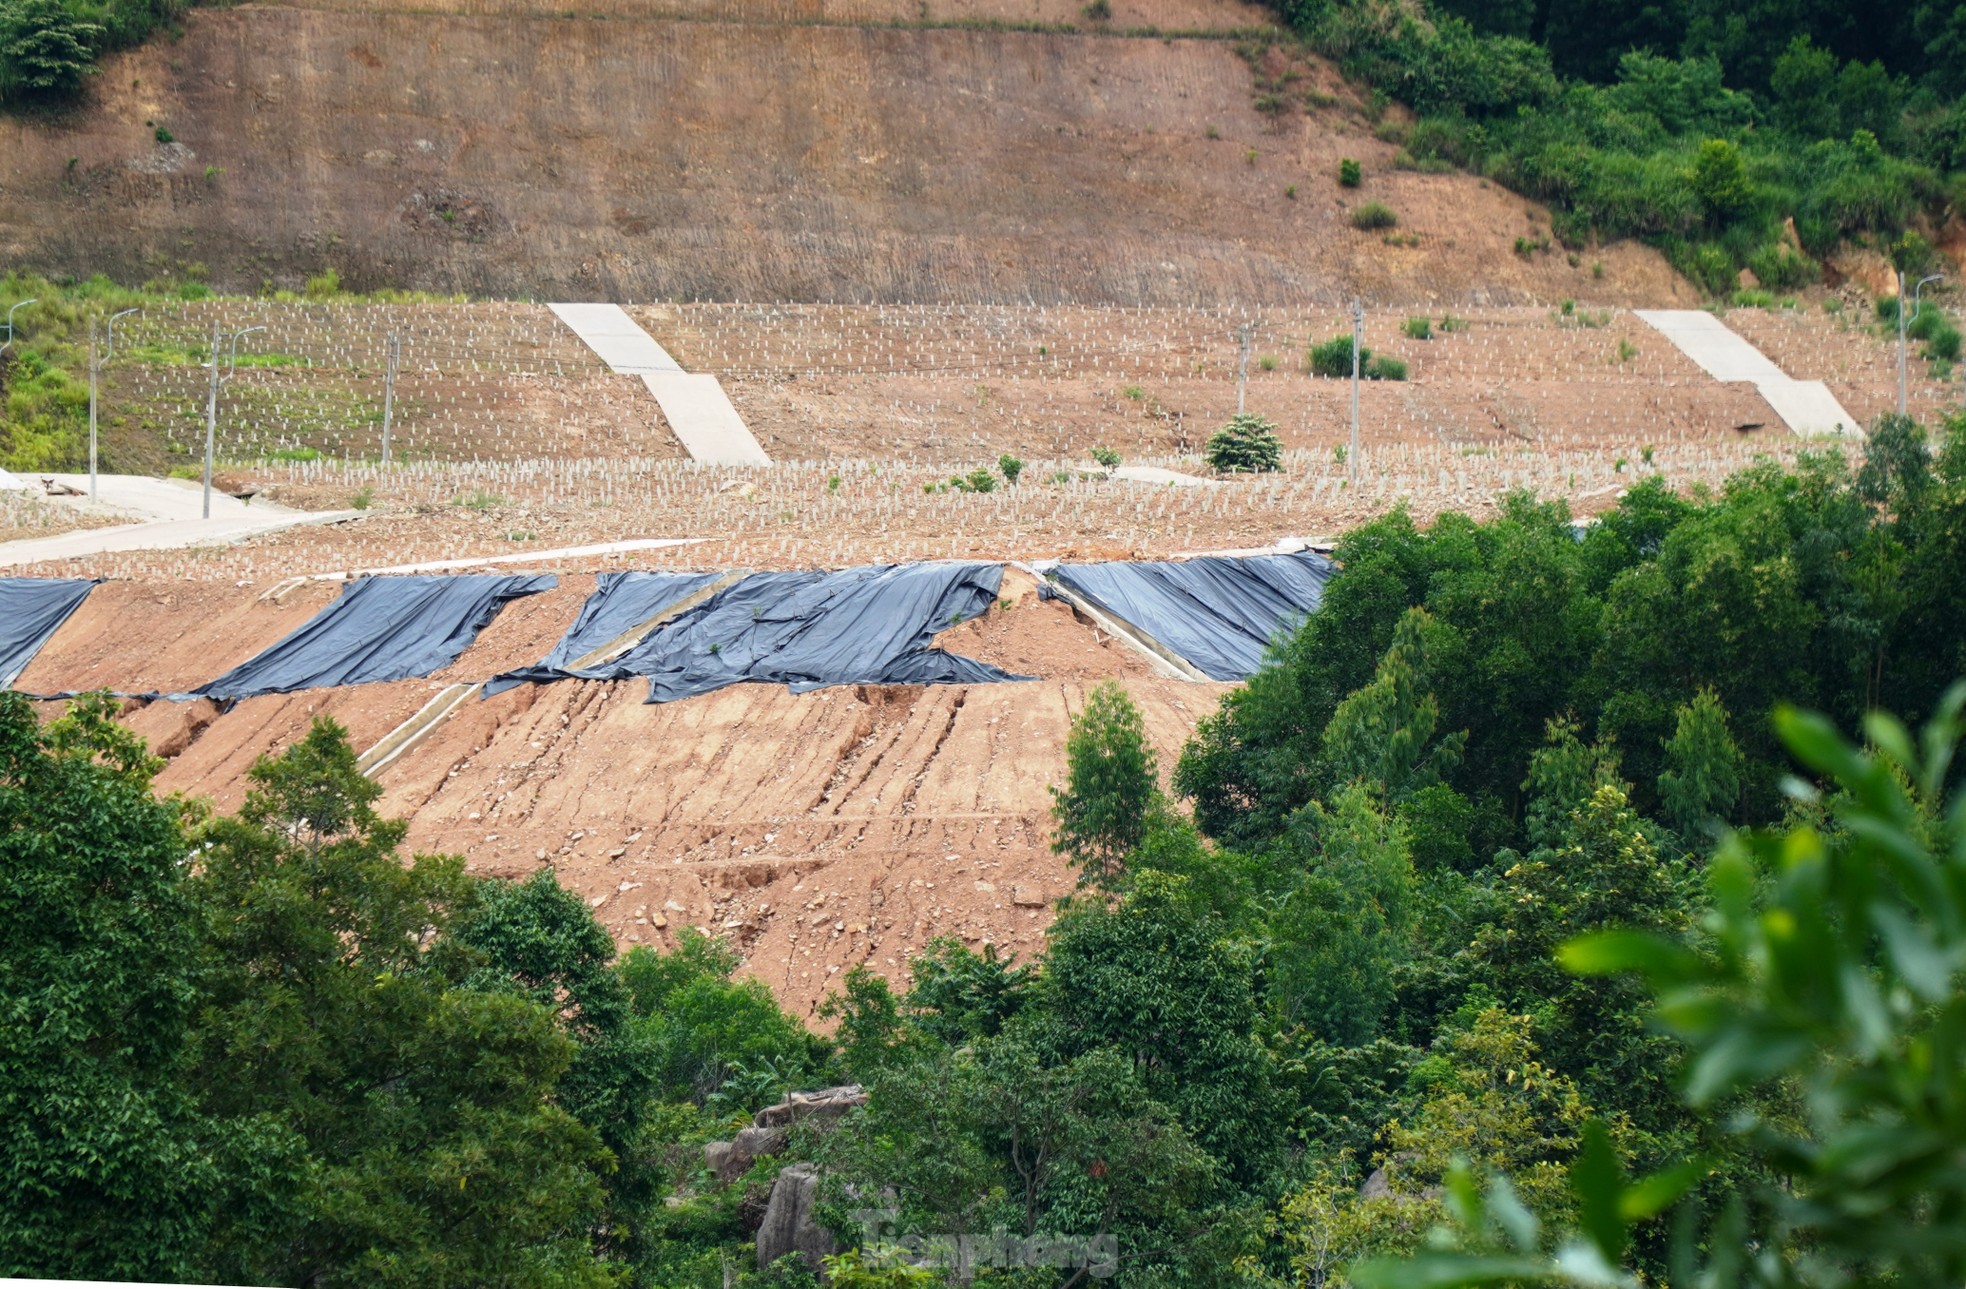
x,y
96,364
10,323
1904,323
211,402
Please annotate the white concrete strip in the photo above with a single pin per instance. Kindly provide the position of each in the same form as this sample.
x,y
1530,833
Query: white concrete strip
x,y
167,534
617,338
480,561
1159,656
1809,408
142,497
412,732
12,483
703,419
1155,474
1720,351
1806,407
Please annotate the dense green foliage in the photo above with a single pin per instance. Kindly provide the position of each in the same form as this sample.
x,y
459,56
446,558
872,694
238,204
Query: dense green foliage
x,y
1512,877
1697,125
1827,978
48,47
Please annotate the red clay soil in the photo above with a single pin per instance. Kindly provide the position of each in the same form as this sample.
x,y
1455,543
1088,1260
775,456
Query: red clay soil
x,y
817,831
210,751
165,637
912,812
636,158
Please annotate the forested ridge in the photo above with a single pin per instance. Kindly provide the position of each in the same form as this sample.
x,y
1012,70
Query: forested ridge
x,y
1526,919
1762,136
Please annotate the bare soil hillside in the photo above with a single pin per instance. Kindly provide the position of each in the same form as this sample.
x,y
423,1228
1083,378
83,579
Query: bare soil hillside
x,y
778,158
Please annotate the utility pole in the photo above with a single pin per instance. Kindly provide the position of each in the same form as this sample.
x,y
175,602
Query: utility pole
x,y
211,421
95,373
1903,324
1242,364
96,364
211,403
393,355
1358,338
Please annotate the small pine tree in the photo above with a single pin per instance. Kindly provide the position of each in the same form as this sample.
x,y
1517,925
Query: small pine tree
x,y
1702,780
1112,786
1248,444
1010,467
1384,734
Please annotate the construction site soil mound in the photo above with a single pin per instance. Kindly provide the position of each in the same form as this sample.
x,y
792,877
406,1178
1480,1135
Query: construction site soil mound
x,y
817,831
644,159
1027,636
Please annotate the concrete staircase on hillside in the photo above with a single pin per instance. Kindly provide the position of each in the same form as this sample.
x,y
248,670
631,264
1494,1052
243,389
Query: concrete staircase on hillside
x,y
694,404
1806,406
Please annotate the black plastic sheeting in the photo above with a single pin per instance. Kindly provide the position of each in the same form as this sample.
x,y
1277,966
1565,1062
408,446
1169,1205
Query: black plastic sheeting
x,y
31,610
859,626
379,628
620,603
1219,612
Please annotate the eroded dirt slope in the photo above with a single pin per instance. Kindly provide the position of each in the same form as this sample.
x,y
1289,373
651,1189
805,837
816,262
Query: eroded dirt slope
x,y
644,159
816,831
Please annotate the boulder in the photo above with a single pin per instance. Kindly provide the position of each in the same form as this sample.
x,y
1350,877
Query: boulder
x,y
827,1103
770,1128
729,1160
790,1224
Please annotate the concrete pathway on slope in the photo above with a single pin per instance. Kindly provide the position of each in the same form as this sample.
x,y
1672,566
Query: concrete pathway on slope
x,y
164,514
617,338
1805,406
694,404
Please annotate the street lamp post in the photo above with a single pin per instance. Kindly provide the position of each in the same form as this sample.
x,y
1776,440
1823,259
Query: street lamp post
x,y
1358,338
1903,324
96,364
10,323
211,402
393,356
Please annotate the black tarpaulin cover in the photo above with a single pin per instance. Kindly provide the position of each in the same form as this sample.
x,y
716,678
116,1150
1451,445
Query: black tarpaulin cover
x,y
31,608
379,628
620,603
1219,612
872,625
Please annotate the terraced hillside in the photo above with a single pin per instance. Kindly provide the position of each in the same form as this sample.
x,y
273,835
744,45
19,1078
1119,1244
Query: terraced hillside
x,y
934,388
764,152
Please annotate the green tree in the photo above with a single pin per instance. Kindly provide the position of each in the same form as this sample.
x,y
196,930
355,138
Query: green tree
x,y
1386,735
1336,937
1720,179
1602,871
1159,980
540,942
334,1004
107,1166
713,1037
1702,778
1112,786
1248,444
45,50
1833,968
